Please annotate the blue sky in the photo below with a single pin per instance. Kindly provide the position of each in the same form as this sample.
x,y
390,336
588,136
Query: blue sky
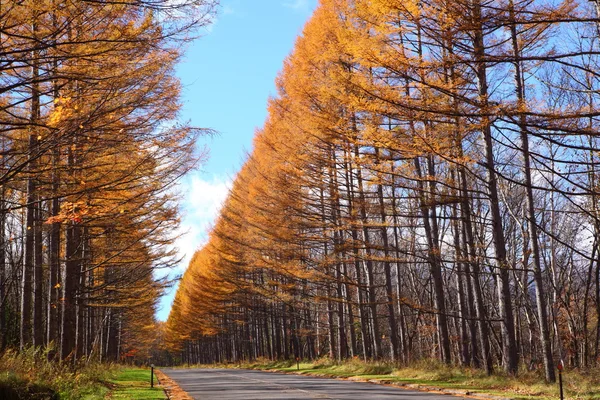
x,y
228,75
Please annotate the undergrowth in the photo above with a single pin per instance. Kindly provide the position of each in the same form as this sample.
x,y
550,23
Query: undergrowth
x,y
32,374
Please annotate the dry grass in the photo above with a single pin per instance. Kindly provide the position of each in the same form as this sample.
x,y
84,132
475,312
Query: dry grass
x,y
31,370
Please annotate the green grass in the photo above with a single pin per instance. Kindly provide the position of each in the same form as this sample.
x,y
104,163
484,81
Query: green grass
x,y
578,385
134,383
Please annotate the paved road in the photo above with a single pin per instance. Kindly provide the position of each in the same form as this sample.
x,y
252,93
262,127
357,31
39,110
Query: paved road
x,y
235,384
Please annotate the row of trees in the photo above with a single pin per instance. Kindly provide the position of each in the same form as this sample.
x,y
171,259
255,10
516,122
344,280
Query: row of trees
x,y
425,187
89,153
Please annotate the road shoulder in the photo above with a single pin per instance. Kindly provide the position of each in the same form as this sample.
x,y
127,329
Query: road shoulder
x,y
172,388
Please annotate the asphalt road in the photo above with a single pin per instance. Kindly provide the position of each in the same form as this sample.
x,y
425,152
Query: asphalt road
x,y
235,384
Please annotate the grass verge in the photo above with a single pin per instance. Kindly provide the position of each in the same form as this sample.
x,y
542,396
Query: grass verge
x,y
31,375
431,376
134,383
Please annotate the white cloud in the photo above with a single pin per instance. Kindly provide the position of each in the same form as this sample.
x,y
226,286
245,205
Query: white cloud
x,y
296,4
200,206
228,10
201,202
224,10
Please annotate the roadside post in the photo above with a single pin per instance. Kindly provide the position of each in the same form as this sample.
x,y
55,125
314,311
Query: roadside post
x,y
151,375
560,382
298,363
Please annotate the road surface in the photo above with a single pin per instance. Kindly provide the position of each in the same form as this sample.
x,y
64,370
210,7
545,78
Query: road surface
x,y
236,384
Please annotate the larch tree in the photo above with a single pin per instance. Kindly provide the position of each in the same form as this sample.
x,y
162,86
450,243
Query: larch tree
x,y
91,150
425,186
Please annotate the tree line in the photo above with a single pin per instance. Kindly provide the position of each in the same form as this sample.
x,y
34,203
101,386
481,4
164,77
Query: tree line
x,y
90,150
424,187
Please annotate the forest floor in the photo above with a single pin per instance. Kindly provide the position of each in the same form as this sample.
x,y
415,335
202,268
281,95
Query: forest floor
x,y
433,377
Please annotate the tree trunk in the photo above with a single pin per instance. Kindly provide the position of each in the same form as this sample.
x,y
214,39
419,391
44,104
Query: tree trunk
x,y
462,309
3,269
435,267
38,277
27,297
70,291
362,314
509,346
395,351
371,293
540,294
